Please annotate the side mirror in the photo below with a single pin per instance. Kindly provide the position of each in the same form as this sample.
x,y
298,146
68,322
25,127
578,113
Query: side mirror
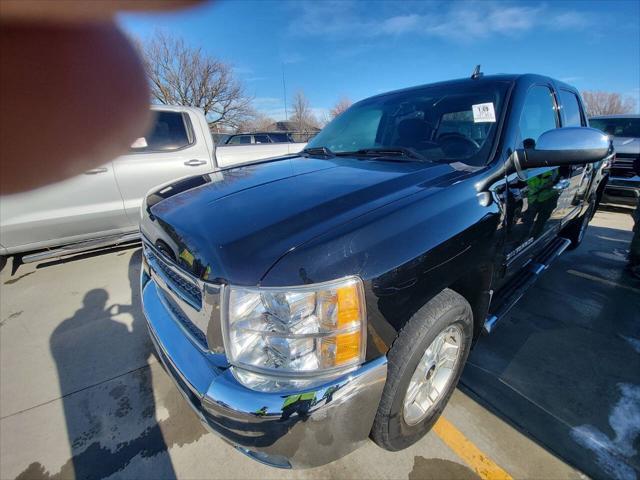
x,y
566,146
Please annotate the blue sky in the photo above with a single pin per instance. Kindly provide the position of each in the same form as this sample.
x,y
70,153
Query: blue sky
x,y
335,49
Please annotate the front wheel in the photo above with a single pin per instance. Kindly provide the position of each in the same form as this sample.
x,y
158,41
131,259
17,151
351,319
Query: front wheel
x,y
425,363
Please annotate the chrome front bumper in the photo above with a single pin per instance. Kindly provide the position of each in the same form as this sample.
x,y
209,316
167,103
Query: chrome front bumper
x,y
328,422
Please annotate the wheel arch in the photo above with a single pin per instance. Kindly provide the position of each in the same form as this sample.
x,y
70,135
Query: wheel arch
x,y
475,287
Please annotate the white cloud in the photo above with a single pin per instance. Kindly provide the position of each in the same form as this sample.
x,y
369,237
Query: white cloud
x,y
247,74
270,106
512,19
401,24
458,21
267,102
570,19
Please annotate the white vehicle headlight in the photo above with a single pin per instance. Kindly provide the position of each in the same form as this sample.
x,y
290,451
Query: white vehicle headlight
x,y
295,332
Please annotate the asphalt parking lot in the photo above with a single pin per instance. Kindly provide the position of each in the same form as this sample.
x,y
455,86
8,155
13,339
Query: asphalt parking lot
x,y
553,393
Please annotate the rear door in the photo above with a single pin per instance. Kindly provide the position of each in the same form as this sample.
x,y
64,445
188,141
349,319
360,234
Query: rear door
x,y
84,207
535,211
175,147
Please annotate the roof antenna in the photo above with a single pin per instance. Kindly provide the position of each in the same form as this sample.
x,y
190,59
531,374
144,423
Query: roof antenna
x,y
476,73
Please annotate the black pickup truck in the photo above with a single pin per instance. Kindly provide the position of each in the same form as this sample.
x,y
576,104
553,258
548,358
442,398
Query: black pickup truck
x,y
306,303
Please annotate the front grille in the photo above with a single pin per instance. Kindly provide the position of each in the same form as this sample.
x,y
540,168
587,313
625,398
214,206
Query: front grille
x,y
184,288
191,327
193,303
625,165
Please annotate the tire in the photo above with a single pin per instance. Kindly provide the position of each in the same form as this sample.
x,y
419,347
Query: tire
x,y
396,427
575,233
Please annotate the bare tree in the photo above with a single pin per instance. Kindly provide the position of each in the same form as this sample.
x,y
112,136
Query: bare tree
x,y
607,103
184,75
302,115
340,107
258,122
323,118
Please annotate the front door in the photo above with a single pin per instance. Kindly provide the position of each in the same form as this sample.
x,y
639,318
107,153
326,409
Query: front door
x,y
174,148
537,196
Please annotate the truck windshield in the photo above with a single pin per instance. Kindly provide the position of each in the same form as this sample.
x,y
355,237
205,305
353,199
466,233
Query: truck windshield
x,y
618,127
442,123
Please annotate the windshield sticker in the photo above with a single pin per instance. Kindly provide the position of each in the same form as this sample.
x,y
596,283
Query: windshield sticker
x,y
483,112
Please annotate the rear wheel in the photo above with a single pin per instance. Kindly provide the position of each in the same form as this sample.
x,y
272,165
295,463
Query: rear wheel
x,y
425,363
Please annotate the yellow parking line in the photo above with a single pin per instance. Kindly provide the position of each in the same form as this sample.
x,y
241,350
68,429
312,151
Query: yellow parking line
x,y
467,451
377,339
603,280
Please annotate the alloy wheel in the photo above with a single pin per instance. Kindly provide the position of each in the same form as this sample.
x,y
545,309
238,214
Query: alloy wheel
x,y
433,375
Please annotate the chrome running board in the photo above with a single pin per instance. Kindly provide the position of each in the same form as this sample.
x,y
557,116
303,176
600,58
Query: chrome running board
x,y
515,290
81,247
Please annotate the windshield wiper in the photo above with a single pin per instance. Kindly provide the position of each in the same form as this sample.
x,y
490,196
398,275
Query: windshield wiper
x,y
318,151
387,152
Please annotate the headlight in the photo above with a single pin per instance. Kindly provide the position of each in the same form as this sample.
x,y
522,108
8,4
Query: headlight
x,y
295,332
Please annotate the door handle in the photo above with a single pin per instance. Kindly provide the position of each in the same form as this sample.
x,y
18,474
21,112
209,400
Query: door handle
x,y
95,171
562,184
194,163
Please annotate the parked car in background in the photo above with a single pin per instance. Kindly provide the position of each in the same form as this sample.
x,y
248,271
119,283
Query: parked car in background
x,y
102,206
306,303
259,137
247,147
220,138
623,186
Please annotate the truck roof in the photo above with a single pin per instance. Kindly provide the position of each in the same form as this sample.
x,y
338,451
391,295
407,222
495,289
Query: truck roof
x,y
175,108
503,77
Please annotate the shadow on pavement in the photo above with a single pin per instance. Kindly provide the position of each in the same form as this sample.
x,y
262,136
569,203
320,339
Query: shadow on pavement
x,y
564,366
106,389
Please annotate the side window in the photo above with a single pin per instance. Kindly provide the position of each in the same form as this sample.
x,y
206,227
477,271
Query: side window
x,y
240,140
571,108
279,137
170,131
538,114
261,138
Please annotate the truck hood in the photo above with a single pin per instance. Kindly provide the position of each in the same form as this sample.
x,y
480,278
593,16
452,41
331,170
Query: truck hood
x,y
238,222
